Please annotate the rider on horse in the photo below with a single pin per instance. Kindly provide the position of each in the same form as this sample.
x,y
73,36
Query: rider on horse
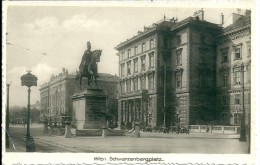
x,y
86,59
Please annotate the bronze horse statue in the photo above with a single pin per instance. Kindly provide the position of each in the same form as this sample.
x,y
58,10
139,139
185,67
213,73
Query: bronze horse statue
x,y
85,72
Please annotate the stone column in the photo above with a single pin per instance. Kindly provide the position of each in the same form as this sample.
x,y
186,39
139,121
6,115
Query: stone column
x,y
137,129
123,111
127,111
67,130
120,107
104,131
134,111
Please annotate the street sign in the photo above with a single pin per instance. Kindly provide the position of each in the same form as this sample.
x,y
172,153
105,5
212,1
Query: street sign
x,y
29,80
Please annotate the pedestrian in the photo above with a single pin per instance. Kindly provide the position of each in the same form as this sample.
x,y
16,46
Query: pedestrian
x,y
207,130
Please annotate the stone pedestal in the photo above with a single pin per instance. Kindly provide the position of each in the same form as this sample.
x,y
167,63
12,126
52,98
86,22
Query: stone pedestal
x,y
67,131
104,131
30,145
137,129
89,109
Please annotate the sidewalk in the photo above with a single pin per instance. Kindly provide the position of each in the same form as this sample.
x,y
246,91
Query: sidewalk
x,y
173,143
192,135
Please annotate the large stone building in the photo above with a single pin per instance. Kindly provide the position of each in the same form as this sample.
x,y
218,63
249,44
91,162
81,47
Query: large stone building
x,y
234,70
177,63
56,95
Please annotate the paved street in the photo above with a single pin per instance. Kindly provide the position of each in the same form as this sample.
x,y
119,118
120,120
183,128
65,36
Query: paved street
x,y
17,141
148,143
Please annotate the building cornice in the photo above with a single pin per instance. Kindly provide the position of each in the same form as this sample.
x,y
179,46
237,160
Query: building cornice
x,y
162,25
235,30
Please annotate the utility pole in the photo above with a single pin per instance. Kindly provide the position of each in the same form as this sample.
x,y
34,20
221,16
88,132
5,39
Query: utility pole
x,y
164,95
7,141
243,127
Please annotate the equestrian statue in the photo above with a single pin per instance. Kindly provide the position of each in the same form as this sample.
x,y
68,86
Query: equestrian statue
x,y
88,66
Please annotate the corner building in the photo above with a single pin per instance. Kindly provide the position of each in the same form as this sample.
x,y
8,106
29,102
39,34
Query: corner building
x,y
176,62
234,70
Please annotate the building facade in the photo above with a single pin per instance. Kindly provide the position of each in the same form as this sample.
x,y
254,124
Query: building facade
x,y
234,70
56,95
176,64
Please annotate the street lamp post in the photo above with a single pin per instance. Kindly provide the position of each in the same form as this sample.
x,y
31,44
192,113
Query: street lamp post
x,y
29,80
165,58
243,128
7,141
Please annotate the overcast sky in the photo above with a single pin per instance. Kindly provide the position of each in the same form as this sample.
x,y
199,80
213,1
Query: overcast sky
x,y
62,32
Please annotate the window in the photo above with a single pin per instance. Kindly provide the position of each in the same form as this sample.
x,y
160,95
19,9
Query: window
x,y
128,85
135,84
135,50
128,53
143,47
129,67
248,49
178,80
248,73
237,77
122,70
224,100
236,118
123,55
143,63
120,57
132,51
237,53
147,45
179,57
225,79
151,81
151,60
225,56
139,50
135,65
143,82
178,40
237,98
152,43
123,87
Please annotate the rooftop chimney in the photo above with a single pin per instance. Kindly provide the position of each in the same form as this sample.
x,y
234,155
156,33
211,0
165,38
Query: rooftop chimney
x,y
235,17
221,19
247,12
199,14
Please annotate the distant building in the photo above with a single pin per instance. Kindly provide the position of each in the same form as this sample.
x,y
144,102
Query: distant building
x,y
37,105
56,95
177,63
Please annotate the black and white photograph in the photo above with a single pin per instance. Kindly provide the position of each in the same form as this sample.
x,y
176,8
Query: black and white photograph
x,y
135,79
